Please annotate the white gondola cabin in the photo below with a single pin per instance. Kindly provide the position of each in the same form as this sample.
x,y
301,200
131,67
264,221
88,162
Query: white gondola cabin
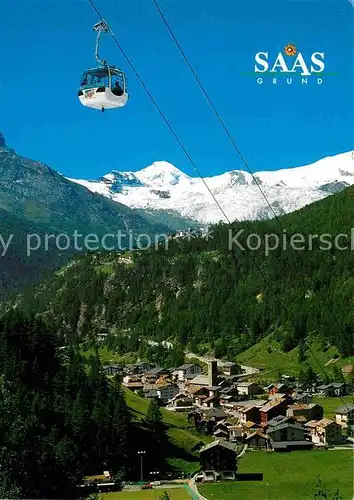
x,y
103,88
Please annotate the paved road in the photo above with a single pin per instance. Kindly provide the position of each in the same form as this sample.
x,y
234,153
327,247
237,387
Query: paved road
x,y
249,370
194,488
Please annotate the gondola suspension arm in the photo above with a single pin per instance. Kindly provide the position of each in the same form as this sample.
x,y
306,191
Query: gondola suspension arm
x,y
101,27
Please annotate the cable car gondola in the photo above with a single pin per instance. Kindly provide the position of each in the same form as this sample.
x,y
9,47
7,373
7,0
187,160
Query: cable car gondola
x,y
104,87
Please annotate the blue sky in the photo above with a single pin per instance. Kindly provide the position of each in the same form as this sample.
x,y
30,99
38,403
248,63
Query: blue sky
x,y
50,43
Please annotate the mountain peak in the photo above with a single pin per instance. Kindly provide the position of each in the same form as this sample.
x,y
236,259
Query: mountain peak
x,y
161,172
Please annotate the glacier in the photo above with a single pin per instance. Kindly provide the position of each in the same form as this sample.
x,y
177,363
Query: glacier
x,y
162,186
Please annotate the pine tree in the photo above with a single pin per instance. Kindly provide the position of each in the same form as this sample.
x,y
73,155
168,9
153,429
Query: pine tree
x,y
301,356
153,415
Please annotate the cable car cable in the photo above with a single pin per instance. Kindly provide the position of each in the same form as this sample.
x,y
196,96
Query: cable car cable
x,y
228,133
160,111
176,137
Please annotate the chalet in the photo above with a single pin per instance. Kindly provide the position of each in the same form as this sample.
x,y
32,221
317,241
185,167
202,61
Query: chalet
x,y
325,432
166,392
219,456
236,434
198,382
182,404
180,401
248,388
333,389
150,393
287,437
287,432
305,412
210,402
325,390
205,425
228,391
340,388
134,386
301,397
187,371
277,388
214,414
280,419
272,409
247,413
221,434
199,391
223,426
229,368
345,415
131,378
226,400
152,376
138,368
257,440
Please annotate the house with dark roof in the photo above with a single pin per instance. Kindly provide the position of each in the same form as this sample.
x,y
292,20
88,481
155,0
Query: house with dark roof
x,y
215,414
257,439
272,409
287,437
325,432
187,371
248,388
248,413
220,456
277,388
309,412
345,415
280,419
229,368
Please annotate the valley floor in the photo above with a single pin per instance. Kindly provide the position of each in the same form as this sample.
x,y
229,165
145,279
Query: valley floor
x,y
181,493
290,476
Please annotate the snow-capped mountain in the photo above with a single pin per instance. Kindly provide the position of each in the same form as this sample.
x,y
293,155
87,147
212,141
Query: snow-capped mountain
x,y
162,186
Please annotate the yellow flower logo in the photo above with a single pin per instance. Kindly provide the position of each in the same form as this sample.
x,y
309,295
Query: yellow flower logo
x,y
290,49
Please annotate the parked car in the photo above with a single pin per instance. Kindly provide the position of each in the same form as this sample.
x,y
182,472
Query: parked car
x,y
146,486
156,483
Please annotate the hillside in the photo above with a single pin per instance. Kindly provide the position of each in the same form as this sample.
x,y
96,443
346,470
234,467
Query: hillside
x,y
37,200
208,296
269,357
183,439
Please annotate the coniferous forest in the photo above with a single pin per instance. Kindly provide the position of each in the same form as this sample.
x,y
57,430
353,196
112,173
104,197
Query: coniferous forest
x,y
62,419
205,295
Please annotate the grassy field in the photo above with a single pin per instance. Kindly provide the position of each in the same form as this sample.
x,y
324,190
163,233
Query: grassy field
x,y
181,433
268,356
108,357
289,476
174,493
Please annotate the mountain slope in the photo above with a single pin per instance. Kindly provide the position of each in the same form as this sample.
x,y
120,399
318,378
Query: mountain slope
x,y
38,204
161,186
213,295
35,192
